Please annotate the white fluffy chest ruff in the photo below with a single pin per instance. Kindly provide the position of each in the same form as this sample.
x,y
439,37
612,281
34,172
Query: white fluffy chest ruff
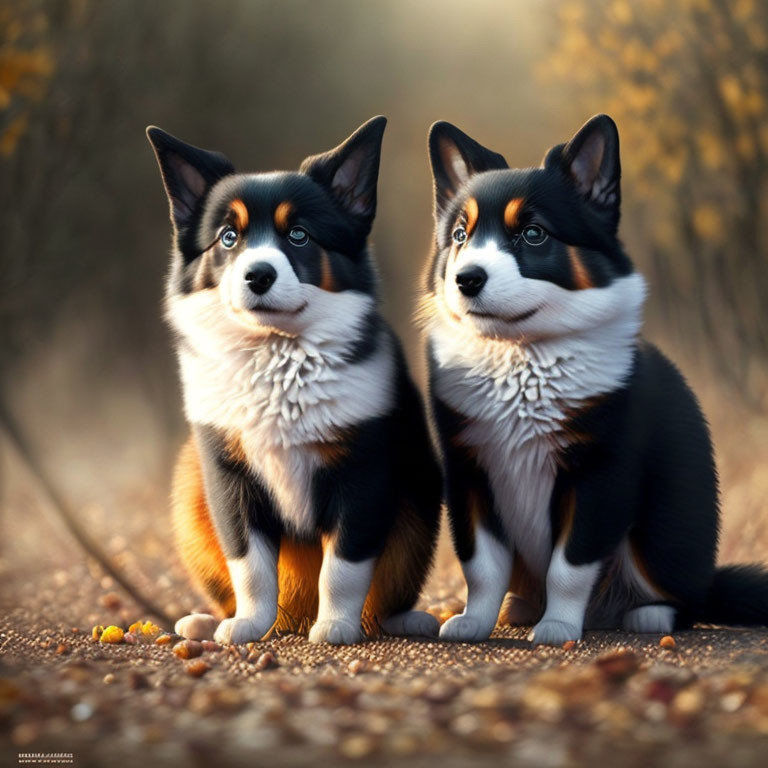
x,y
515,398
282,396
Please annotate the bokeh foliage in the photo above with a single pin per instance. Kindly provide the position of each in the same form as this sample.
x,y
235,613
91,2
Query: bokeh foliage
x,y
687,81
85,357
26,66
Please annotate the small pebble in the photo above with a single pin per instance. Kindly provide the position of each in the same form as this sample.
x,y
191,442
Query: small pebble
x,y
687,705
209,646
111,601
188,649
130,638
667,642
356,666
164,639
569,645
618,664
62,649
733,701
81,712
137,681
196,668
357,747
266,660
109,678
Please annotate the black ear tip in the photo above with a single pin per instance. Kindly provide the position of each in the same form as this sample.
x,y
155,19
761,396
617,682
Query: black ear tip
x,y
157,136
439,130
604,122
440,127
373,127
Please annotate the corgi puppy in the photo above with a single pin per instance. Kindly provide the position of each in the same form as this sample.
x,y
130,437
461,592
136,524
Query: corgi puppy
x,y
308,492
580,472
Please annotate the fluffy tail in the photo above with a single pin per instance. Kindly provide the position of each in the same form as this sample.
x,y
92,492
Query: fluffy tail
x,y
738,596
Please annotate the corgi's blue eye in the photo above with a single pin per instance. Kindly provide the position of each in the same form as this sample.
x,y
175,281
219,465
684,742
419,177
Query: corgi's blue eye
x,y
533,234
298,236
229,237
459,235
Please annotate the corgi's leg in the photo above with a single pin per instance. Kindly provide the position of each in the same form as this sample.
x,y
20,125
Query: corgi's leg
x,y
342,590
568,591
487,573
516,611
198,544
400,572
650,618
254,577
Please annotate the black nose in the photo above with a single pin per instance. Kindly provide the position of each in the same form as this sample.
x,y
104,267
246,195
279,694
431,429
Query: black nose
x,y
260,277
471,280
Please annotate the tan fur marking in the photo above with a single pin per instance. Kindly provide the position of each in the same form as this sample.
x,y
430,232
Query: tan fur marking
x,y
512,211
298,571
241,214
400,571
567,514
524,585
331,453
472,212
581,276
397,579
327,282
196,539
283,216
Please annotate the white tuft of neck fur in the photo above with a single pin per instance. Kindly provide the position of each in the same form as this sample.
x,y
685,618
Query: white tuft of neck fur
x,y
537,380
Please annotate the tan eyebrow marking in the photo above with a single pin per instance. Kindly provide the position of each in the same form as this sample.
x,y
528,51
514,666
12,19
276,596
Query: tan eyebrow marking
x,y
282,215
241,214
581,277
512,211
327,282
471,211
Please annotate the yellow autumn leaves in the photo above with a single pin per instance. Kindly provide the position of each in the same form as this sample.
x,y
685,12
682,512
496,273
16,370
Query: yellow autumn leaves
x,y
26,66
687,82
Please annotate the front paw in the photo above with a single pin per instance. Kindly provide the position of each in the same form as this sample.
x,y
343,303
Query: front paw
x,y
197,626
552,632
335,632
238,631
464,629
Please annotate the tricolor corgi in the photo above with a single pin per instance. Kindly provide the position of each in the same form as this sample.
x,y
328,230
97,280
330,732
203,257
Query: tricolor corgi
x,y
580,472
308,493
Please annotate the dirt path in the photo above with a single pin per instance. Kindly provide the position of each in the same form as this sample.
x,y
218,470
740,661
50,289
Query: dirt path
x,y
614,697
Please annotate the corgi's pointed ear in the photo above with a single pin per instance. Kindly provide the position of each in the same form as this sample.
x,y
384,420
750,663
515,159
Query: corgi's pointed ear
x,y
591,162
351,170
188,173
455,157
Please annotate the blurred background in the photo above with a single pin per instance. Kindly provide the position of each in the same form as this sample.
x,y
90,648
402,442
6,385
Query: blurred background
x,y
87,369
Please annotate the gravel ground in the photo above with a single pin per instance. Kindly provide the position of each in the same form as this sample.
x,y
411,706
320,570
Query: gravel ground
x,y
615,697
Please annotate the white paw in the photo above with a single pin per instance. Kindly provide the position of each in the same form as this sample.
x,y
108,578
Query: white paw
x,y
464,629
552,632
238,631
412,623
335,632
197,626
650,618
